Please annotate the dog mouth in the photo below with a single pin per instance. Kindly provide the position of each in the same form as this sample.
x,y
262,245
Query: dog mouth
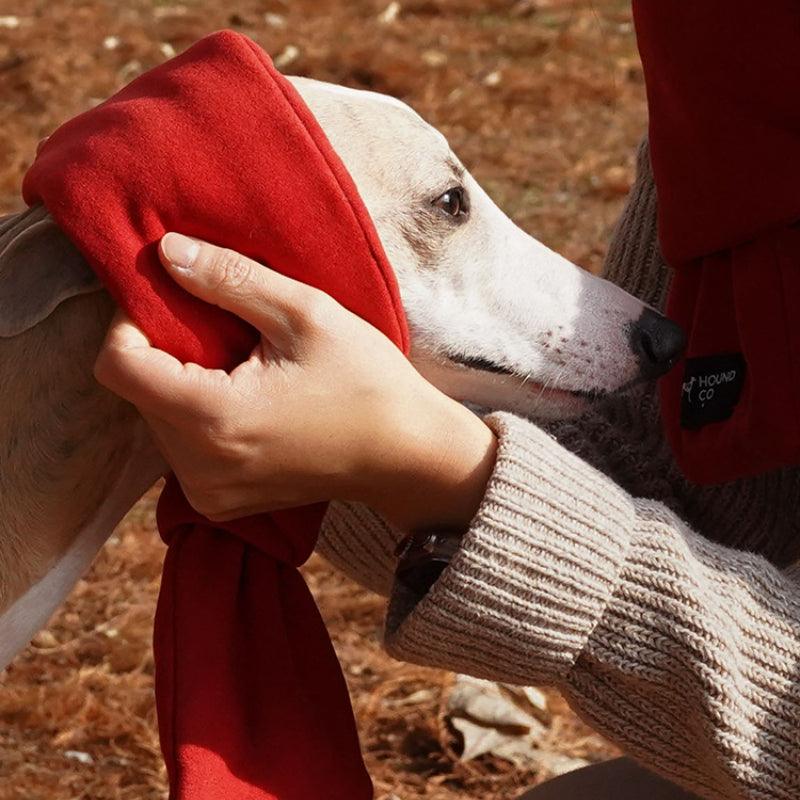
x,y
481,364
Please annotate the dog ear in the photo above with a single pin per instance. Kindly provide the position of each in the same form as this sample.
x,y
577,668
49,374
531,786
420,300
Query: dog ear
x,y
39,269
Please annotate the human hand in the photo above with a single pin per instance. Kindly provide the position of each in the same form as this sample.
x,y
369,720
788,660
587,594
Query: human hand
x,y
326,407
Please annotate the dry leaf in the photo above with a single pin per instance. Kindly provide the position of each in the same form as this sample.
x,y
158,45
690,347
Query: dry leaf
x,y
508,722
496,719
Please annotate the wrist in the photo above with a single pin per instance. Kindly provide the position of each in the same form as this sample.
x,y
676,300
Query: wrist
x,y
434,465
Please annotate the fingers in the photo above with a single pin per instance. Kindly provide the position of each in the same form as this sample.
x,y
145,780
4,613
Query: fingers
x,y
154,381
280,307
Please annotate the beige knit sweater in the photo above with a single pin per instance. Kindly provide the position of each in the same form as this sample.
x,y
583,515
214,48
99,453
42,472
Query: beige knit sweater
x,y
668,615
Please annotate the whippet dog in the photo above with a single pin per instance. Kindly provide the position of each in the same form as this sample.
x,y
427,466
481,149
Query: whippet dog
x,y
497,320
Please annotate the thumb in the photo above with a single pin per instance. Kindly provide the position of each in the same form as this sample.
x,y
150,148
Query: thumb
x,y
274,304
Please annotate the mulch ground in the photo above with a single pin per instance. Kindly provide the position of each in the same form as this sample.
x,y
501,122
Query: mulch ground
x,y
544,101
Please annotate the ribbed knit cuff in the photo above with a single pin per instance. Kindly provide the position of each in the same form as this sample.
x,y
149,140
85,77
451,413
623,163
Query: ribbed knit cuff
x,y
534,573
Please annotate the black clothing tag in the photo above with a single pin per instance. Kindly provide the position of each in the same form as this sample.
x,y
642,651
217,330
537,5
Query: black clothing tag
x,y
712,386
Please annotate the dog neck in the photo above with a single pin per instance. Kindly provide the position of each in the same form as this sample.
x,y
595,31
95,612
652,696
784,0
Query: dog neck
x,y
73,460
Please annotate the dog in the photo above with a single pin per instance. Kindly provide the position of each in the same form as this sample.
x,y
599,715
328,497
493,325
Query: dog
x,y
497,321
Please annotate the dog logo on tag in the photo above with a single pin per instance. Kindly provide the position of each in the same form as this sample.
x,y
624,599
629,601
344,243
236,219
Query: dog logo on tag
x,y
688,386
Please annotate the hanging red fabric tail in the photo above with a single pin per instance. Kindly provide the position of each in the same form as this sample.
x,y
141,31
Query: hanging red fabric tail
x,y
217,144
725,146
251,700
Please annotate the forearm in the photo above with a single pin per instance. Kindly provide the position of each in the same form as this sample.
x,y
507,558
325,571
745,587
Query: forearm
x,y
624,441
682,651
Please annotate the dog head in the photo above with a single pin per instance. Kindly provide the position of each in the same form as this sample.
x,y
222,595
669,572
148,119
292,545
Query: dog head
x,y
497,319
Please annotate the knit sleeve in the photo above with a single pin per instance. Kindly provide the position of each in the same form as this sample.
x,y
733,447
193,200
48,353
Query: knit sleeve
x,y
684,652
360,543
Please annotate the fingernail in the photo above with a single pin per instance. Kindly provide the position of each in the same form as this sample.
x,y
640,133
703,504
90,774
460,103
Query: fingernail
x,y
181,251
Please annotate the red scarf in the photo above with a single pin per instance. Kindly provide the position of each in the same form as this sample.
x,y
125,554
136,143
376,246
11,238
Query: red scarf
x,y
217,144
725,146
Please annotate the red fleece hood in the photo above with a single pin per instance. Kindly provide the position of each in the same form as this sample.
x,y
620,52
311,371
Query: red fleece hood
x,y
217,144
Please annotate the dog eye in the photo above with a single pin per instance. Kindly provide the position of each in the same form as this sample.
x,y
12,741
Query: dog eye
x,y
453,202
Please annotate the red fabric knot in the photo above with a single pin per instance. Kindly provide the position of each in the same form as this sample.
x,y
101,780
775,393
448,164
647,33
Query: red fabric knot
x,y
217,144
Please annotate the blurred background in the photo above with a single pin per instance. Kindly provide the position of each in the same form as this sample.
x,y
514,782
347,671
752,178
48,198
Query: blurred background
x,y
544,102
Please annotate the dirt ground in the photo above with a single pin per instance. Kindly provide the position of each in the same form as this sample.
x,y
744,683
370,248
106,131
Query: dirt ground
x,y
544,101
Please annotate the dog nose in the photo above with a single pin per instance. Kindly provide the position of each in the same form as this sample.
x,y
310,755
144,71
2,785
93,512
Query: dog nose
x,y
658,342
